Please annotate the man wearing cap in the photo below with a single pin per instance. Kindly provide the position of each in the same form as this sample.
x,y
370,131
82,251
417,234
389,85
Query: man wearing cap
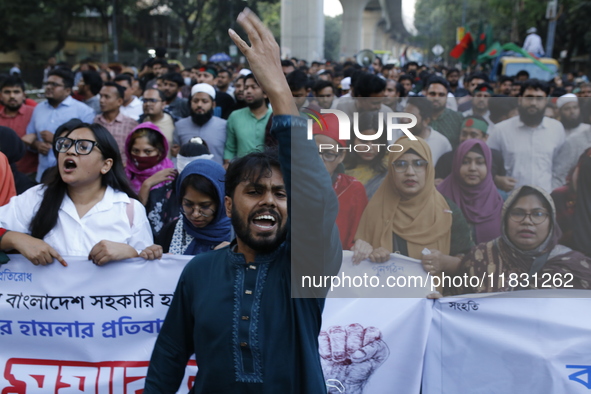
x,y
171,87
578,138
476,127
223,101
482,93
533,43
202,123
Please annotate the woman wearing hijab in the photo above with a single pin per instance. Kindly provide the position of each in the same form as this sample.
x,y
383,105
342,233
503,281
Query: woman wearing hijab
x,y
407,214
528,245
14,149
150,171
471,187
203,224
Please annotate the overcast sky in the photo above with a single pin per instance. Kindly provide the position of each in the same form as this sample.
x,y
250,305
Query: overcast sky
x,y
334,7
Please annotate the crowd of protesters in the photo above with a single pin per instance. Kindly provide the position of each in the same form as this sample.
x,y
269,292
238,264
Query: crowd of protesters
x,y
480,142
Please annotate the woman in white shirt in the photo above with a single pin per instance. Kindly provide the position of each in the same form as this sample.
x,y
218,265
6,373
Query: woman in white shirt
x,y
86,208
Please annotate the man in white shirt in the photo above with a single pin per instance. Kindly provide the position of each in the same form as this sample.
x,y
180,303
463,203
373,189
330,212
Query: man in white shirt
x,y
533,42
578,138
529,142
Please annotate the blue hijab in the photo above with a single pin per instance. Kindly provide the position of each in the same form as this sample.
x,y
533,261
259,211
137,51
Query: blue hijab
x,y
220,228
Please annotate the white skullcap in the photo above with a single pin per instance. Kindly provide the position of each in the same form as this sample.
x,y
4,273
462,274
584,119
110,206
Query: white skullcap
x,y
531,30
245,71
346,83
565,99
203,88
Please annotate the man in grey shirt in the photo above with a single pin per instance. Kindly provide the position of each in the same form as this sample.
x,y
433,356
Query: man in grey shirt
x,y
202,123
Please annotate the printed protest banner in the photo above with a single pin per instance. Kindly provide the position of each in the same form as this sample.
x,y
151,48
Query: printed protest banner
x,y
507,343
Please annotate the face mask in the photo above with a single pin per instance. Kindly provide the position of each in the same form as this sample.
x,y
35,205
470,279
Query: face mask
x,y
143,163
188,81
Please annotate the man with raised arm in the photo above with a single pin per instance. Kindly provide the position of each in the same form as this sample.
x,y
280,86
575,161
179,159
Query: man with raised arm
x,y
233,307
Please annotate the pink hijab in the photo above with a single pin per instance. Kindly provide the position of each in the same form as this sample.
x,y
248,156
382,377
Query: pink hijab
x,y
137,176
481,204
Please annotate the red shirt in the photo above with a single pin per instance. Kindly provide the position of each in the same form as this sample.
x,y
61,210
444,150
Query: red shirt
x,y
352,201
28,164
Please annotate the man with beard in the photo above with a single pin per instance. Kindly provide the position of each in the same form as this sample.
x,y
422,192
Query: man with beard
x,y
223,82
578,138
453,79
15,114
202,123
482,95
171,87
153,104
529,142
444,120
89,86
505,84
233,307
246,126
223,101
52,113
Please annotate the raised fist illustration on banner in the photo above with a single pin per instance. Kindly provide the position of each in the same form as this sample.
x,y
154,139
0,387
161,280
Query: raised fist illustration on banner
x,y
349,356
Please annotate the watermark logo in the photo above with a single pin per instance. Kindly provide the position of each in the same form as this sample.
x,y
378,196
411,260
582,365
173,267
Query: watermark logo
x,y
344,132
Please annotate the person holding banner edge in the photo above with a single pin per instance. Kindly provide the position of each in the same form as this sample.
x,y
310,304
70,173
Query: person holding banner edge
x,y
72,215
233,307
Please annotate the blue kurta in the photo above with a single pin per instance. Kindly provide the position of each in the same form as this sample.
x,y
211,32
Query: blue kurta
x,y
239,318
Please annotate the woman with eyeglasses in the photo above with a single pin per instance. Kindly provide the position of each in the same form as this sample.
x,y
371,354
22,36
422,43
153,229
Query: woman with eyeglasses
x,y
471,187
203,224
408,215
86,208
150,171
527,250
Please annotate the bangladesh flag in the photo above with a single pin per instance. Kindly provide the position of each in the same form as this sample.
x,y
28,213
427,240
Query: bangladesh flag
x,y
512,47
493,51
465,44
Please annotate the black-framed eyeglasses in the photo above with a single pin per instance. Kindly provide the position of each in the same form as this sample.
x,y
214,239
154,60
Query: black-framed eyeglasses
x,y
82,147
329,156
53,84
189,208
151,100
536,217
418,165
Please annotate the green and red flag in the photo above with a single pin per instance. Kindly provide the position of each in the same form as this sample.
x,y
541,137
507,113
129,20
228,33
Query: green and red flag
x,y
512,47
492,52
465,43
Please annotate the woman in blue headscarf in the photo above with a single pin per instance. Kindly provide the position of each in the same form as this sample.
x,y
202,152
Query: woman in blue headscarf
x,y
203,224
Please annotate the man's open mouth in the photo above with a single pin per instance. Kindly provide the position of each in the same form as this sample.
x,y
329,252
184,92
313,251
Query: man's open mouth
x,y
265,222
